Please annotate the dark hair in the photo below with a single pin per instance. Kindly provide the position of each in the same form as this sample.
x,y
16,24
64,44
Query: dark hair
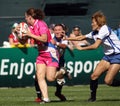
x,y
63,27
36,13
76,27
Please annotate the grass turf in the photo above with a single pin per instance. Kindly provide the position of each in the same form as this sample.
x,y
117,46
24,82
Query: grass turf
x,y
76,96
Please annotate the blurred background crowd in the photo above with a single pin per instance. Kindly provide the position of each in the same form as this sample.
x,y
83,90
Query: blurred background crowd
x,y
71,13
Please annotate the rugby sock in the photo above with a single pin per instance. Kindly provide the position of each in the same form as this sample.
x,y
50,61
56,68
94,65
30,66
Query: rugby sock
x,y
38,91
58,88
93,88
115,83
58,92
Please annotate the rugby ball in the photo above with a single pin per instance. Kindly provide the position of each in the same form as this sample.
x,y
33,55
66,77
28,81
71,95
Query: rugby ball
x,y
23,28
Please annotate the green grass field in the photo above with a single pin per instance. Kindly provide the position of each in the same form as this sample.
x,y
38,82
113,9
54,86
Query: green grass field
x,y
76,96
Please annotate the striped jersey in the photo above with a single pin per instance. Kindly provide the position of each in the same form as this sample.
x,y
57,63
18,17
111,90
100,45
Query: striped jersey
x,y
110,41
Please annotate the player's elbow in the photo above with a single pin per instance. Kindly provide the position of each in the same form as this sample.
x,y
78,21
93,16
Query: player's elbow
x,y
43,38
96,46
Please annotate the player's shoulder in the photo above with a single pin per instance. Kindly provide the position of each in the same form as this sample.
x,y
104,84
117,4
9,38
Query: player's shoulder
x,y
41,22
105,30
104,27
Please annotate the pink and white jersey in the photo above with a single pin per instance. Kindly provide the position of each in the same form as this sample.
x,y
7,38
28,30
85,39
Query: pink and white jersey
x,y
48,49
39,28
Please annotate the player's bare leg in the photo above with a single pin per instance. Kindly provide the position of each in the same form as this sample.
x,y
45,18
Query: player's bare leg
x,y
101,68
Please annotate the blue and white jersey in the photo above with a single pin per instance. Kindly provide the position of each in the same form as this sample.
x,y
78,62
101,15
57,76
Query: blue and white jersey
x,y
110,41
60,50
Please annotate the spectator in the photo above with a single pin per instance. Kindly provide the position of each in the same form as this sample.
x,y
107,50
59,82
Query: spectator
x,y
76,31
117,31
14,40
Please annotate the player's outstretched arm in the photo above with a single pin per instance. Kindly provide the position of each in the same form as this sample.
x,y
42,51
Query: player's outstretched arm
x,y
78,38
91,47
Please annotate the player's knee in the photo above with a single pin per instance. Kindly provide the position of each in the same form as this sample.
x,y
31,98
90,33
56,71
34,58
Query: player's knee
x,y
108,82
94,76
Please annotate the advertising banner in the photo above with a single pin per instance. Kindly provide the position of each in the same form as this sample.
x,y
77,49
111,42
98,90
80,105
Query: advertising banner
x,y
17,66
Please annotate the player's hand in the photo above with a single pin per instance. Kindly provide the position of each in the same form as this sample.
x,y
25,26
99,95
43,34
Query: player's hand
x,y
63,34
65,38
27,33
